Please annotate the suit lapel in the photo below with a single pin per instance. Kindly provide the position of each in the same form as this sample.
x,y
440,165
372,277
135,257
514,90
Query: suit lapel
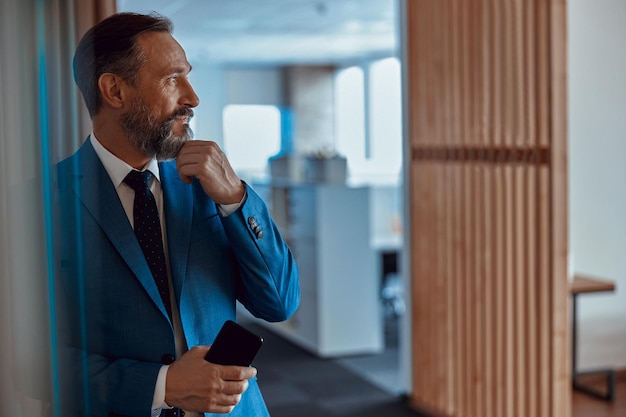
x,y
178,207
94,188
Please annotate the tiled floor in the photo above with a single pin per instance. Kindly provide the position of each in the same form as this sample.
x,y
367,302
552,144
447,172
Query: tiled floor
x,y
297,383
381,369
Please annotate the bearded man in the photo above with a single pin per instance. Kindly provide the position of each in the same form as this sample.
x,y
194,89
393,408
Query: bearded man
x,y
158,238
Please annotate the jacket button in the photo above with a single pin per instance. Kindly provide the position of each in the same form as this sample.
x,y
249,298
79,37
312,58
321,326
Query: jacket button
x,y
167,359
252,222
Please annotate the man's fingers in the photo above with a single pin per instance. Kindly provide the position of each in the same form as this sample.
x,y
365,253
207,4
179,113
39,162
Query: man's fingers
x,y
186,178
238,373
192,150
231,388
199,351
232,400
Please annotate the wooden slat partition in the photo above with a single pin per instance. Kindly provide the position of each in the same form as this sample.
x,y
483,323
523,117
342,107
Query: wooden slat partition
x,y
488,201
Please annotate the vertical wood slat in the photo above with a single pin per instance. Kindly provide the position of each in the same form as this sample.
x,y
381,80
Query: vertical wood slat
x,y
542,137
562,405
489,250
458,124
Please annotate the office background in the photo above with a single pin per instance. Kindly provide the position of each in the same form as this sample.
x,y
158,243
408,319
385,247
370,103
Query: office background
x,y
597,100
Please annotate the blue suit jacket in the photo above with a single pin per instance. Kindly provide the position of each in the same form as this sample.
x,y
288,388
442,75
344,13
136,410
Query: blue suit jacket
x,y
113,330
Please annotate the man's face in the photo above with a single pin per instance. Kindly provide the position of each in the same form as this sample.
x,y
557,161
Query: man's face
x,y
157,121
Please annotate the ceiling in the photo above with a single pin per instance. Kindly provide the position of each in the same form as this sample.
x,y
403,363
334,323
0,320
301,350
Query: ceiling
x,y
279,32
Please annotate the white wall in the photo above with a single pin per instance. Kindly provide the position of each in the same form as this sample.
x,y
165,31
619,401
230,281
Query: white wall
x,y
597,132
254,86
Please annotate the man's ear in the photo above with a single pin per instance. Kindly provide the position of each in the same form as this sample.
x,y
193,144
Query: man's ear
x,y
112,89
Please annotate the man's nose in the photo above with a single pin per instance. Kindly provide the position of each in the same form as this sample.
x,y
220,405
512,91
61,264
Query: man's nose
x,y
189,98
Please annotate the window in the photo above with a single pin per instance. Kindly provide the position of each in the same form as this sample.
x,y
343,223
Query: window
x,y
350,117
385,117
371,93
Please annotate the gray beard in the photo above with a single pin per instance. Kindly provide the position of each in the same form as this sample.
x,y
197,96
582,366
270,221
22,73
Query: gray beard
x,y
155,139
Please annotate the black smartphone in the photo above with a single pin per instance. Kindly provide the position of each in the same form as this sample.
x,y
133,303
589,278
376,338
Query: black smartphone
x,y
234,345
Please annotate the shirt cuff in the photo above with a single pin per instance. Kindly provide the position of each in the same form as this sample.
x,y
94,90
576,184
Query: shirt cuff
x,y
228,209
158,400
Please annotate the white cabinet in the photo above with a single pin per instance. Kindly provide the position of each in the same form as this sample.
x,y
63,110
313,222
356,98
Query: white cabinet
x,y
328,230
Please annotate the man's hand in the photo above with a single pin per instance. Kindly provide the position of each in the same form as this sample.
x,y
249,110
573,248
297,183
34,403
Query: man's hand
x,y
206,161
193,384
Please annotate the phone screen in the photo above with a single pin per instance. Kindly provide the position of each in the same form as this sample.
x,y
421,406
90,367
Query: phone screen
x,y
234,345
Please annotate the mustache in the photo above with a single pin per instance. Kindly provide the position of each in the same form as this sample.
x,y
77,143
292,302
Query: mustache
x,y
183,111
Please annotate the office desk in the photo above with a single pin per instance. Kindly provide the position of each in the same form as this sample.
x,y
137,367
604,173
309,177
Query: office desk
x,y
582,284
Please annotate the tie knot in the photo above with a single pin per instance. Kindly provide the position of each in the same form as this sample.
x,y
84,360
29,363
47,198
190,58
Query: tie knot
x,y
138,180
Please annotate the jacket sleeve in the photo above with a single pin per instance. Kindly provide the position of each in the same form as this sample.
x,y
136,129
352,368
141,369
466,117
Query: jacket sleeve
x,y
268,282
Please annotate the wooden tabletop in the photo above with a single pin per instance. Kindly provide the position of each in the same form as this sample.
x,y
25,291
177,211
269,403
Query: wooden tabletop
x,y
584,283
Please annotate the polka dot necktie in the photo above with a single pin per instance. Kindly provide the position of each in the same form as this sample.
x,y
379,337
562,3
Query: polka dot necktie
x,y
148,231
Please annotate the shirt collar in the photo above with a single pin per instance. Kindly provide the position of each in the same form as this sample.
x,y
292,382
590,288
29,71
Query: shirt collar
x,y
115,167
